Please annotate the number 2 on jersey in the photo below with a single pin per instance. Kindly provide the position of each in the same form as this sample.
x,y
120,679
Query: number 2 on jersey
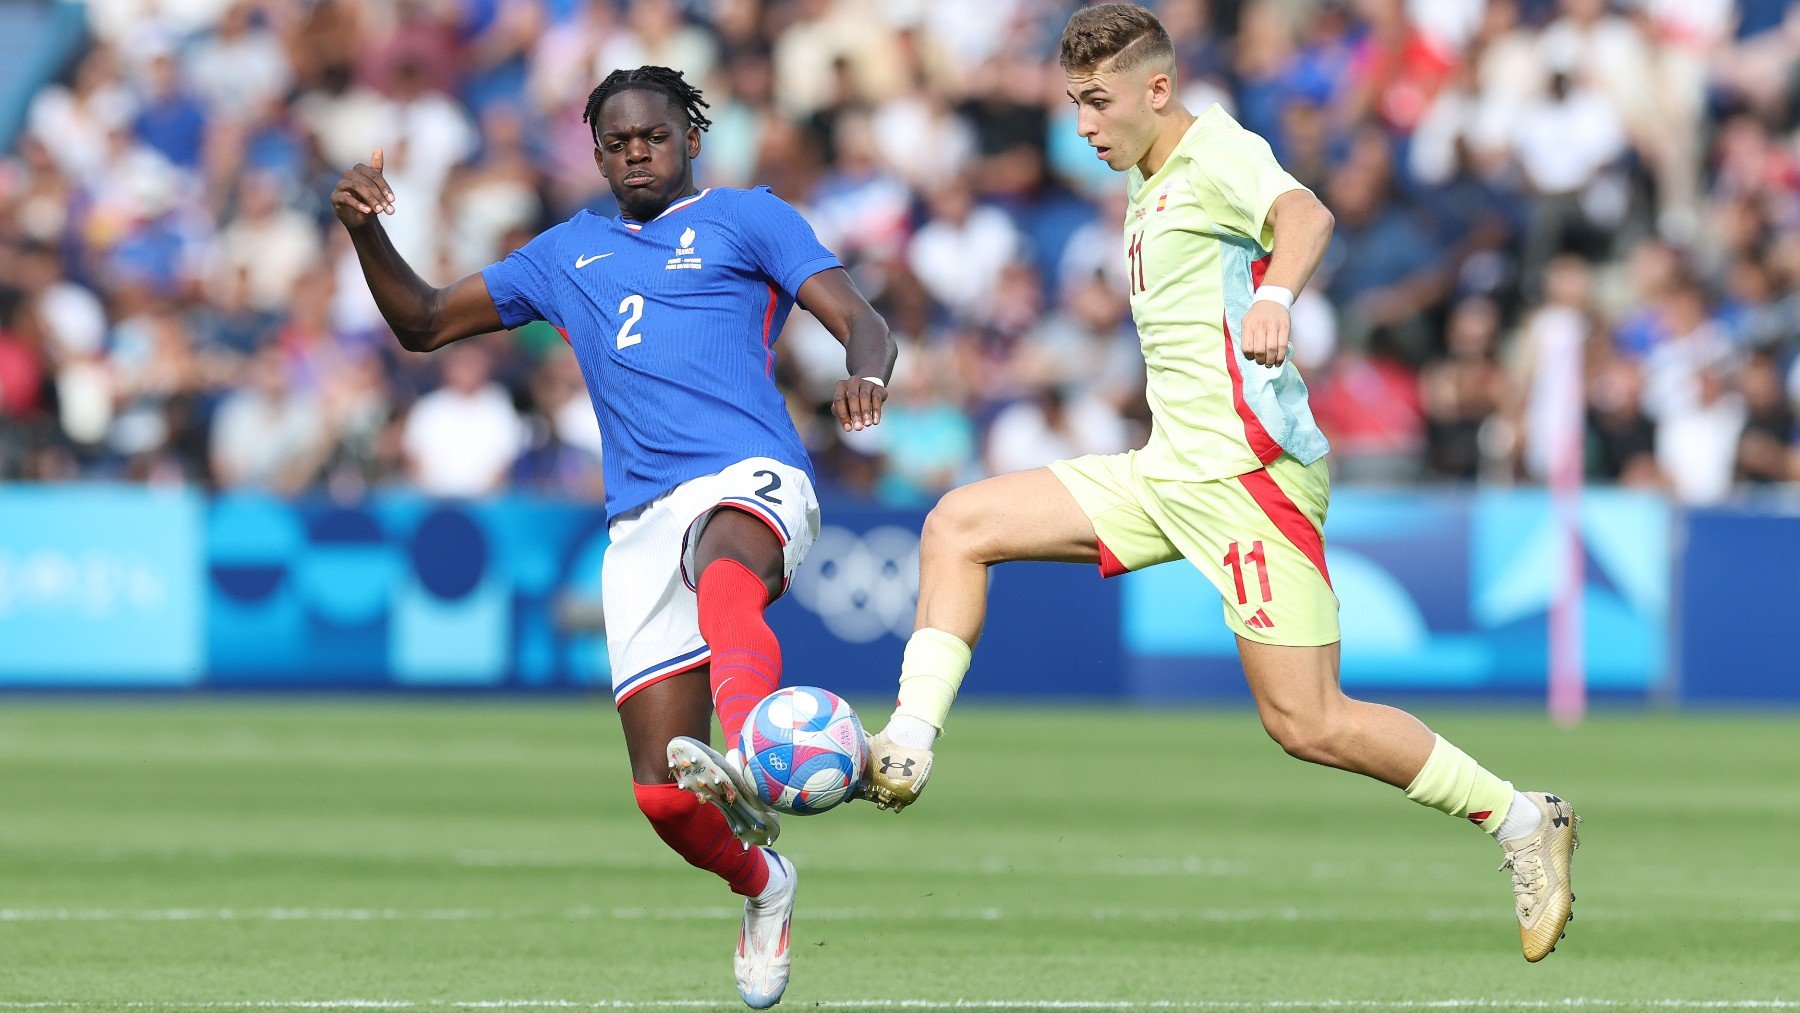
x,y
634,305
1255,557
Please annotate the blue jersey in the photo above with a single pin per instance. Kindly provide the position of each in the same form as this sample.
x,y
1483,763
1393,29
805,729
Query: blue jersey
x,y
674,322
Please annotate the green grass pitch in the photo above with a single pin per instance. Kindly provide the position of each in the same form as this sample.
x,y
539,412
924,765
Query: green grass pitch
x,y
473,855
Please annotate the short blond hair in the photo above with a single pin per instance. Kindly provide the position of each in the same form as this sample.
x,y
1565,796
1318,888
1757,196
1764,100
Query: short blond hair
x,y
1117,36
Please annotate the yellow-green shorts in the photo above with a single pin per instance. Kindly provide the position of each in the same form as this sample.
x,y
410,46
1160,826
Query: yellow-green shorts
x,y
1259,537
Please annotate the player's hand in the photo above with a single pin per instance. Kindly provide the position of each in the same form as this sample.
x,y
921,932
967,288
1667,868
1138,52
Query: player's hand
x,y
858,402
1266,333
362,193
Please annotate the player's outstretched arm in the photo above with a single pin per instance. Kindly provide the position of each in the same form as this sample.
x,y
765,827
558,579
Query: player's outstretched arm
x,y
1302,227
423,317
869,348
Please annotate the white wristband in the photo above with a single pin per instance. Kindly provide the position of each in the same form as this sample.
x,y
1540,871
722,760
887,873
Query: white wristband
x,y
876,380
1275,294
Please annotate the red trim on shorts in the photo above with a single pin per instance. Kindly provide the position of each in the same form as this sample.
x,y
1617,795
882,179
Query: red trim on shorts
x,y
766,518
1293,524
1110,566
759,515
768,346
646,684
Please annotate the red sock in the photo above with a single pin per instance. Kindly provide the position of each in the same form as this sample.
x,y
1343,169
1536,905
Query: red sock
x,y
697,832
746,657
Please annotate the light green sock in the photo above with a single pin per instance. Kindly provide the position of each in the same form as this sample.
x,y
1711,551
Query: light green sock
x,y
931,671
1453,783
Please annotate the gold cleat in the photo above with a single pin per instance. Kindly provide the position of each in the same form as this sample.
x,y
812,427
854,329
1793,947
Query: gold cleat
x,y
1540,862
895,775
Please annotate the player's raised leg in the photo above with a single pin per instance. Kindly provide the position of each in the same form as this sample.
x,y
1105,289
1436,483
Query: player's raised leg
x,y
737,568
739,559
1029,515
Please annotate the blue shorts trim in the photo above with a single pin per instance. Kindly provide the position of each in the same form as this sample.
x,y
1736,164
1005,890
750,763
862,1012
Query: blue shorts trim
x,y
762,510
662,670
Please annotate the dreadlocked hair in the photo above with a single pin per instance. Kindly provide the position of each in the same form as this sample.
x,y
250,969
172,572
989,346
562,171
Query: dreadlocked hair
x,y
658,79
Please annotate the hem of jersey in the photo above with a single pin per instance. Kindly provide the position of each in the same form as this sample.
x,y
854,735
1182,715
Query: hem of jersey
x,y
684,662
1223,473
803,465
792,280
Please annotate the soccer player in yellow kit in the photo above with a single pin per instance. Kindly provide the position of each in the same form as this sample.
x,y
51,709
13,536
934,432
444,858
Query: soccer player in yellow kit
x,y
1218,238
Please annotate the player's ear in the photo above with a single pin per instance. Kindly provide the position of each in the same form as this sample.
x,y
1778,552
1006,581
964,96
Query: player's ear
x,y
600,163
693,142
1162,89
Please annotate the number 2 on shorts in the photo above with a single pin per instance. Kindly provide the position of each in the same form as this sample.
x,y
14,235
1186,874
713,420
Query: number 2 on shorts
x,y
767,492
1236,561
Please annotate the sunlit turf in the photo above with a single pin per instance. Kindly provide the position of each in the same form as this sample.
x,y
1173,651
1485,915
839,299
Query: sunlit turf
x,y
440,854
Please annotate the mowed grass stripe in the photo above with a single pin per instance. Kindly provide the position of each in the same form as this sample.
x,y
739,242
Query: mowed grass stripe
x,y
433,853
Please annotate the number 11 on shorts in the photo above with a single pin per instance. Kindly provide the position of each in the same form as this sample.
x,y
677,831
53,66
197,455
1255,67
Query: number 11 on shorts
x,y
1236,560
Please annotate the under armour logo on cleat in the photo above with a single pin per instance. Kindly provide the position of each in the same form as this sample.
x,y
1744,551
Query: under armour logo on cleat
x,y
888,764
1559,820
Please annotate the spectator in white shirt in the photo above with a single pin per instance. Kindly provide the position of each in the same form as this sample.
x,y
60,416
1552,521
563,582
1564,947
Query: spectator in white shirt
x,y
462,438
273,245
1697,443
266,435
1565,141
959,255
1054,427
241,68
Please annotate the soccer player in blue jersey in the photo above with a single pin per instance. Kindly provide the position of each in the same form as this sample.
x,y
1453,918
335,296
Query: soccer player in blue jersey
x,y
672,309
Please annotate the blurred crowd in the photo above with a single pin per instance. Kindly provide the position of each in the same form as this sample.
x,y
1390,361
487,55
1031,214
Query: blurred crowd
x,y
1568,233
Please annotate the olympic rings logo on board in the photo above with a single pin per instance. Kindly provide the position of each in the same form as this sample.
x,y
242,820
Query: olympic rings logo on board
x,y
862,587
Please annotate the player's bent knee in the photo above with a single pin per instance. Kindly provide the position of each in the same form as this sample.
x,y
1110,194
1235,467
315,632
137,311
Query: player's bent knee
x,y
651,772
1313,737
954,526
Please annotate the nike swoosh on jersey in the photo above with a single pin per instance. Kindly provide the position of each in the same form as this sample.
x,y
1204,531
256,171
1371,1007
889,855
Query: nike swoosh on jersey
x,y
581,262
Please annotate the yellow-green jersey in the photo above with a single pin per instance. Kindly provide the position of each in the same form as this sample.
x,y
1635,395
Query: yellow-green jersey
x,y
1197,240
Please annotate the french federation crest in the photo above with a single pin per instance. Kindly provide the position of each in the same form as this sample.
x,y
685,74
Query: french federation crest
x,y
684,258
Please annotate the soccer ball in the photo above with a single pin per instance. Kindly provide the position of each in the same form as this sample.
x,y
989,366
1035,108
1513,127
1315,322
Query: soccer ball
x,y
804,750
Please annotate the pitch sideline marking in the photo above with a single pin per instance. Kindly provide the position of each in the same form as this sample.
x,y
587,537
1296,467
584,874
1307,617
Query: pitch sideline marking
x,y
1201,1004
589,913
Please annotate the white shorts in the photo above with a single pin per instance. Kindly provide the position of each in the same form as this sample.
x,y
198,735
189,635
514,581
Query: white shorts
x,y
647,583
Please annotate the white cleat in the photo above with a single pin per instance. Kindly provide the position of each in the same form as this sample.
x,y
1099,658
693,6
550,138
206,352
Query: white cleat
x,y
699,768
762,958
